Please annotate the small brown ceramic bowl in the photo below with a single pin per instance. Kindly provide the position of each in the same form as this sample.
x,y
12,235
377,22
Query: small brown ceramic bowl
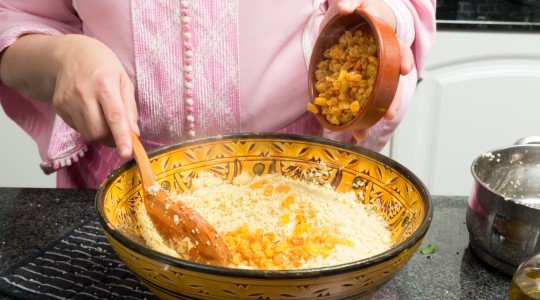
x,y
390,189
388,72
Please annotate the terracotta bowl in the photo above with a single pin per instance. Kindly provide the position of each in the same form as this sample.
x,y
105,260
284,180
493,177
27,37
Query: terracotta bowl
x,y
392,190
388,71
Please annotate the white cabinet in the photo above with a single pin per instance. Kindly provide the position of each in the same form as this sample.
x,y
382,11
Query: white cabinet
x,y
480,91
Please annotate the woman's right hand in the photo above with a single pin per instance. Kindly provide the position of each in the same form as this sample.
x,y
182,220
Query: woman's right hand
x,y
94,94
86,82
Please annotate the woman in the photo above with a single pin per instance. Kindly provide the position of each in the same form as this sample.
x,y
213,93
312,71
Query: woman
x,y
78,76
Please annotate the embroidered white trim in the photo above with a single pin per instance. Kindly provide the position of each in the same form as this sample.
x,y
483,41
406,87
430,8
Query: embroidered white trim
x,y
61,162
188,67
404,21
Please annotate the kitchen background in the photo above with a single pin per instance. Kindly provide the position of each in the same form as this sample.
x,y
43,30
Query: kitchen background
x,y
480,91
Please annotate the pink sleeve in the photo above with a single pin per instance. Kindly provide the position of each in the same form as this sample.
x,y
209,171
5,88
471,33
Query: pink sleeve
x,y
415,26
53,17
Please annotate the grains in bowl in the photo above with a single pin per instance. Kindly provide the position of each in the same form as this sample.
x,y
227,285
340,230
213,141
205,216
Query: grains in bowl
x,y
273,222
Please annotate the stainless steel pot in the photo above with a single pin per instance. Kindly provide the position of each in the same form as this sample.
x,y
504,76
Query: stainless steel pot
x,y
503,217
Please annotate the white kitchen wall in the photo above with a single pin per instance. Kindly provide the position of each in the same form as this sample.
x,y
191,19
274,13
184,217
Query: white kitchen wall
x,y
481,91
19,158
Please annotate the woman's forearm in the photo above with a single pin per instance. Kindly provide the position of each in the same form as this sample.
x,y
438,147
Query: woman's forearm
x,y
30,65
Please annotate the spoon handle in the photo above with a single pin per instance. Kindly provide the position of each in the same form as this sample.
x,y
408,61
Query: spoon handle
x,y
141,157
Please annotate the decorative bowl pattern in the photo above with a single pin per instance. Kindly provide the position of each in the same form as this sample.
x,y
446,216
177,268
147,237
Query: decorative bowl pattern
x,y
395,193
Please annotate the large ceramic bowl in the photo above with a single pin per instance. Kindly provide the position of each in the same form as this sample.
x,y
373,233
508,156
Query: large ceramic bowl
x,y
396,194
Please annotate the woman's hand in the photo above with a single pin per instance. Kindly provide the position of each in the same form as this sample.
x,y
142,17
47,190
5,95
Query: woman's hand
x,y
94,94
383,11
407,64
86,82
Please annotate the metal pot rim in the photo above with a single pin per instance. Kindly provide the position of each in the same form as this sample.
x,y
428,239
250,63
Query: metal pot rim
x,y
523,144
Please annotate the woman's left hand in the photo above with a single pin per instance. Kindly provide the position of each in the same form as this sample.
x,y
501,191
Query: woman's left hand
x,y
380,9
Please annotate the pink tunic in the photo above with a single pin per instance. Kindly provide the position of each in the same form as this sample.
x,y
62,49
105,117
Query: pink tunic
x,y
200,68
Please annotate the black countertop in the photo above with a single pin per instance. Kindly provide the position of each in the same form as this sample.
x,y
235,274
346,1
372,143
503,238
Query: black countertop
x,y
32,219
489,15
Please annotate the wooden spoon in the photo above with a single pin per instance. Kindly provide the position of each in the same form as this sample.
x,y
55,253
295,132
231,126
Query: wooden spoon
x,y
175,221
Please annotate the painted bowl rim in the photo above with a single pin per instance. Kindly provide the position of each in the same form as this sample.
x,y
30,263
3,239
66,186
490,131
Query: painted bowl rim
x,y
271,274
